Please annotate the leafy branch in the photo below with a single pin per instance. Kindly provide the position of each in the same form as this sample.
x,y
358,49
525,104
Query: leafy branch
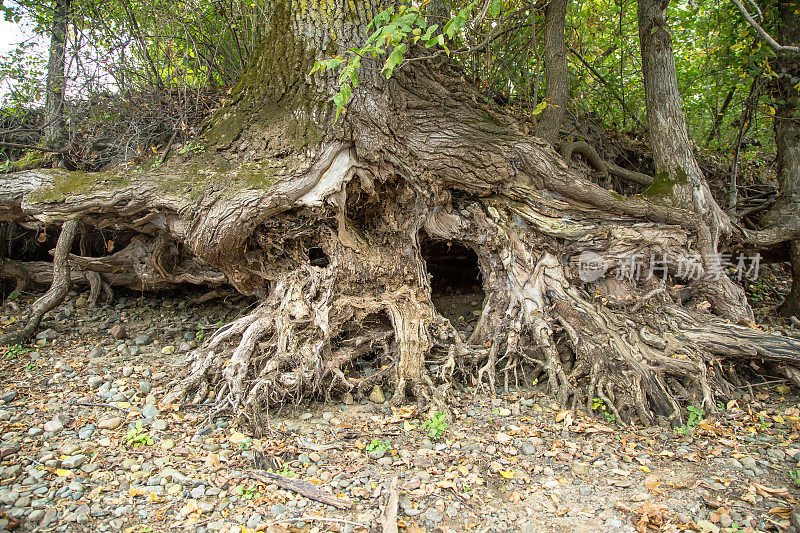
x,y
394,29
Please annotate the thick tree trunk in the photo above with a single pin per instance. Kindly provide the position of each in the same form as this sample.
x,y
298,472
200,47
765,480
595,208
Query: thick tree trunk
x,y
679,180
328,223
55,128
557,75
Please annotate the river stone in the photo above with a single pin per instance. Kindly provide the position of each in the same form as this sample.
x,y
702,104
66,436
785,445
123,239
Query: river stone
x,y
377,395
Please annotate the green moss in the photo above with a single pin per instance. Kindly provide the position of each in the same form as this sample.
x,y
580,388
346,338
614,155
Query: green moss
x,y
78,182
303,133
271,90
257,178
32,159
663,185
618,196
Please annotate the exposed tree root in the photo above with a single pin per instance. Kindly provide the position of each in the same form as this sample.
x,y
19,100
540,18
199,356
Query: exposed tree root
x,y
58,289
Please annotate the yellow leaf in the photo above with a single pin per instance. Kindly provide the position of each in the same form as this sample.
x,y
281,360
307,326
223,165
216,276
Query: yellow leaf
x,y
407,426
238,438
508,474
62,472
645,469
154,150
121,405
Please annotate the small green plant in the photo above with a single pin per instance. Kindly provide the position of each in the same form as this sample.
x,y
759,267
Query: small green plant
x,y
13,295
200,333
794,473
245,492
191,147
137,437
696,414
377,445
16,350
436,426
599,405
285,471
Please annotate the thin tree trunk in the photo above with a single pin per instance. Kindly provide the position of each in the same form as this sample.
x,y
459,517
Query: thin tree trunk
x,y
786,125
55,127
714,133
555,65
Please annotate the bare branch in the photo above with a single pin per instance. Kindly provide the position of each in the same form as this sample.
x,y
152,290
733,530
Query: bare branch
x,y
772,43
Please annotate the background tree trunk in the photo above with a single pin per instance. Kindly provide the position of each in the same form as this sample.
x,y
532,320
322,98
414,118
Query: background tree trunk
x,y
786,124
678,179
55,127
557,75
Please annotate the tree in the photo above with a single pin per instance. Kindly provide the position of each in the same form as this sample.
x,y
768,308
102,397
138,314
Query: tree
x,y
786,123
555,60
324,215
782,220
54,130
679,180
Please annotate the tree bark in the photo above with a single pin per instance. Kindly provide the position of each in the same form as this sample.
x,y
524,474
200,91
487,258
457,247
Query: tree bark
x,y
679,180
557,75
786,125
55,127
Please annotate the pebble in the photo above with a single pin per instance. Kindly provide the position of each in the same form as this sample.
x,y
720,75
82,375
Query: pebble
x,y
112,422
254,520
53,426
73,461
377,396
143,340
9,396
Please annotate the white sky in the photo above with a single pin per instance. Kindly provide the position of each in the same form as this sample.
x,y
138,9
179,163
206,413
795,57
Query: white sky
x,y
10,35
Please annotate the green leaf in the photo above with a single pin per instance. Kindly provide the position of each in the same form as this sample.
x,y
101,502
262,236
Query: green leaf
x,y
539,107
395,58
495,8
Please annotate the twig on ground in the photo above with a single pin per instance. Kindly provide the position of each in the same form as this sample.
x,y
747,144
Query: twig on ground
x,y
89,404
309,490
318,519
389,514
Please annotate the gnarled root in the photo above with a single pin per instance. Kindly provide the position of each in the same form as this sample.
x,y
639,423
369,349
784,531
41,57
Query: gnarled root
x,y
308,339
58,288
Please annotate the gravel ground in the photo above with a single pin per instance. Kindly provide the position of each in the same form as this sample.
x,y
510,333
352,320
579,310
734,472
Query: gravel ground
x,y
86,446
